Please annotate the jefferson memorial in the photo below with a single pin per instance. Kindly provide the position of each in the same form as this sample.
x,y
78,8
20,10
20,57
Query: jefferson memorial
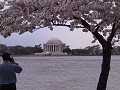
x,y
54,45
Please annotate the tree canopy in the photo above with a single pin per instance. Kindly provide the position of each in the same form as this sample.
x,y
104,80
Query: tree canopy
x,y
19,16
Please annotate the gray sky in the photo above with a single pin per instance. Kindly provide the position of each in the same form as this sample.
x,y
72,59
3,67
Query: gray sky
x,y
75,39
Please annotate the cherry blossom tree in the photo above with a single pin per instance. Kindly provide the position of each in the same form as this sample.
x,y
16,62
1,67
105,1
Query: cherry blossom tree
x,y
100,17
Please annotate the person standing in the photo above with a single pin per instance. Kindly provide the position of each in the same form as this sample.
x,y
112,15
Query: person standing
x,y
8,70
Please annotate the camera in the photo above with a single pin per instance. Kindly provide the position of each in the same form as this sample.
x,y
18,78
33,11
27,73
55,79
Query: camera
x,y
11,60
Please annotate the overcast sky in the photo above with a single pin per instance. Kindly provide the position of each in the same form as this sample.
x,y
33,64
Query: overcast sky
x,y
75,39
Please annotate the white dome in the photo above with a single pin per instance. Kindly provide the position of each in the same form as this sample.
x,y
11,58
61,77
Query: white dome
x,y
54,40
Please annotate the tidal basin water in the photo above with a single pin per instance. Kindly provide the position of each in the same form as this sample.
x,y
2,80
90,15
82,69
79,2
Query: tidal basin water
x,y
65,73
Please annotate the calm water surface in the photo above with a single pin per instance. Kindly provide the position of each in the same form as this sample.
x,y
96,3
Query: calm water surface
x,y
65,73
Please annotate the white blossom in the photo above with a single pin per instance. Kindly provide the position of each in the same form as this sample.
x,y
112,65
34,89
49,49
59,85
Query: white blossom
x,y
24,15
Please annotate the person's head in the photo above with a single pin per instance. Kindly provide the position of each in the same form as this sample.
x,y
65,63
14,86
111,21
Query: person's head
x,y
6,56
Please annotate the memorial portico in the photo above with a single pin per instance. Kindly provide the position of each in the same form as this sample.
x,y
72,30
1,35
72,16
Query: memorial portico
x,y
54,45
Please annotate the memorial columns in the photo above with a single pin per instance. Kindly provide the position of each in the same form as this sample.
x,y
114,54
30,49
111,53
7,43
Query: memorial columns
x,y
53,48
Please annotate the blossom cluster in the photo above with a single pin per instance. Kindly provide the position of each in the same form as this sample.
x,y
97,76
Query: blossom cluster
x,y
19,16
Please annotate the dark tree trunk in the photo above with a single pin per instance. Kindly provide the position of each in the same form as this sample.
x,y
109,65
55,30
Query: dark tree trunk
x,y
105,67
106,44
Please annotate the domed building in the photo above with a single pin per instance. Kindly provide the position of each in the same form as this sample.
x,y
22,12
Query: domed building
x,y
54,46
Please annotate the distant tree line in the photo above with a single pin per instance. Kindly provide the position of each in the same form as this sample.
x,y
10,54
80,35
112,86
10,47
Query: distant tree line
x,y
87,51
21,50
90,50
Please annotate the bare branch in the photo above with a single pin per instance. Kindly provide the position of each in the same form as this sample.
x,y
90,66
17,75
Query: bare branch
x,y
99,37
54,24
67,25
61,25
96,34
84,23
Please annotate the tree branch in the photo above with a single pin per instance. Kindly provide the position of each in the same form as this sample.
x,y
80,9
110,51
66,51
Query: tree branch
x,y
95,33
100,23
99,37
54,24
61,25
84,23
112,33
